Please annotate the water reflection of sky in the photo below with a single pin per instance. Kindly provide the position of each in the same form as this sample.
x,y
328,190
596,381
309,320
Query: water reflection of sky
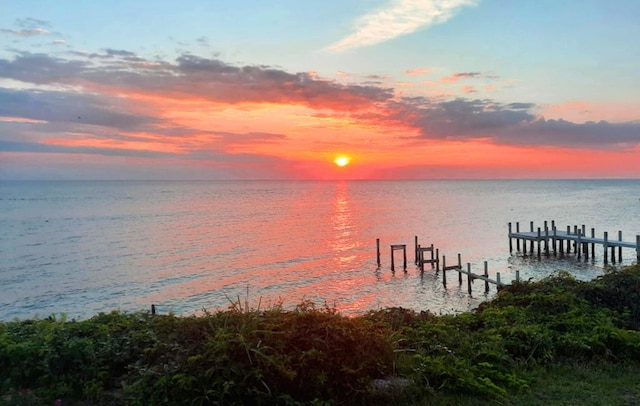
x,y
185,246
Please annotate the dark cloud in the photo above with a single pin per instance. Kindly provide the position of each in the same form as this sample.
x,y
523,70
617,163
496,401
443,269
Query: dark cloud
x,y
511,124
193,77
69,107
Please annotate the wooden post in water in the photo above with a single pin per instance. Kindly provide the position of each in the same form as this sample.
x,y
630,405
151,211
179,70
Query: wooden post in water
x,y
568,242
404,257
579,244
153,309
613,254
486,275
620,246
517,276
638,248
510,240
393,263
585,247
459,268
593,245
444,270
538,240
437,260
415,244
498,279
469,278
546,239
606,247
531,245
517,239
378,251
555,241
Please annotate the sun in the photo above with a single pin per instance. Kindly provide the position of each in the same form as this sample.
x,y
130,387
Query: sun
x,y
342,160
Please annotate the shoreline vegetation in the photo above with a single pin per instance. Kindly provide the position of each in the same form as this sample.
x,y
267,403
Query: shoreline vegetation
x,y
555,341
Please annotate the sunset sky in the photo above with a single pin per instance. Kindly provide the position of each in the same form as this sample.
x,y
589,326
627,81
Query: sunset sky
x,y
251,89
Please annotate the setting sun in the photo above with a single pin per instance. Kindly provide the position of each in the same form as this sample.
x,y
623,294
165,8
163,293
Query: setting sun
x,y
342,161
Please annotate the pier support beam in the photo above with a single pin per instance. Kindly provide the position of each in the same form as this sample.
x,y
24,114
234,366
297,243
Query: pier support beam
x,y
605,247
402,247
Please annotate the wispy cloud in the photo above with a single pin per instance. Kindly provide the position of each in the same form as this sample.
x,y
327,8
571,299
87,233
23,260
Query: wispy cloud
x,y
28,27
459,76
31,32
418,71
397,18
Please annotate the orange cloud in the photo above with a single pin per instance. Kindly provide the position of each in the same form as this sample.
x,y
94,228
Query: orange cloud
x,y
418,71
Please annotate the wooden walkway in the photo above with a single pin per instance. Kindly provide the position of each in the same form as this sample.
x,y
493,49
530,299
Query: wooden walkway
x,y
552,240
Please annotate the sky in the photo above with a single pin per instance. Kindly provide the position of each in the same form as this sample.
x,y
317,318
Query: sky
x,y
251,89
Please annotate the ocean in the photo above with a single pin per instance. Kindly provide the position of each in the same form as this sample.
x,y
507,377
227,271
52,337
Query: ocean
x,y
81,248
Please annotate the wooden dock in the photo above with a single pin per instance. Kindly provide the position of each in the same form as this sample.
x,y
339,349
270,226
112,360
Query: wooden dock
x,y
430,255
551,240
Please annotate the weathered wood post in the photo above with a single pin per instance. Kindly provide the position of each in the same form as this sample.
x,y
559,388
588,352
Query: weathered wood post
x,y
404,257
378,251
585,246
579,244
638,248
555,241
153,309
620,246
415,244
517,276
531,244
437,259
517,239
498,279
613,254
486,275
510,241
546,239
444,270
593,245
605,245
538,240
393,263
469,278
568,241
459,269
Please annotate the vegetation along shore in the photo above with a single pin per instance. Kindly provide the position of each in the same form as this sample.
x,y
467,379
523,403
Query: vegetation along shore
x,y
556,341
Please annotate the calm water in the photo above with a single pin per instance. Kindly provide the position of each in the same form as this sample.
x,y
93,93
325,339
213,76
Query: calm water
x,y
84,247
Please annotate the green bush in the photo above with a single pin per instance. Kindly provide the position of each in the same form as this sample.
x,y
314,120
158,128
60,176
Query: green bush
x,y
316,356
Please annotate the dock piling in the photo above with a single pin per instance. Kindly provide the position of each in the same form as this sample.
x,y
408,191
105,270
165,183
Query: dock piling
x,y
620,246
510,240
486,275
